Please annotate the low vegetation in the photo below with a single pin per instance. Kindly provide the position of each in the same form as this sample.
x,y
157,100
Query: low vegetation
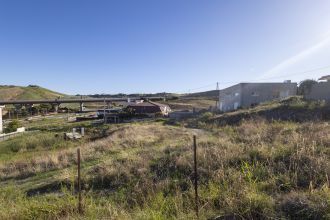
x,y
28,92
255,168
12,126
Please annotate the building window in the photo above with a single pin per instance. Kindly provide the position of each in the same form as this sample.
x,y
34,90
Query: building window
x,y
236,94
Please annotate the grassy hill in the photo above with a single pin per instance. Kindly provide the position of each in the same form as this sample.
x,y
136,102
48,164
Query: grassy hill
x,y
190,103
212,94
200,100
252,165
29,92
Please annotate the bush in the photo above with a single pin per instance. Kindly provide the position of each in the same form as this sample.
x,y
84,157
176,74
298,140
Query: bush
x,y
159,115
306,86
306,206
206,116
257,205
12,126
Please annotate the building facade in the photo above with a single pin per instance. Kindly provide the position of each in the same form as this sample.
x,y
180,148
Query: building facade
x,y
250,94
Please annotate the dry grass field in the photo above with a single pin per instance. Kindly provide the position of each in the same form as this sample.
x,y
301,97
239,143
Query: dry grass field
x,y
255,168
190,103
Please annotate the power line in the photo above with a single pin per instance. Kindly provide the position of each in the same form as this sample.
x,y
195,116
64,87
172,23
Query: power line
x,y
193,89
297,73
268,78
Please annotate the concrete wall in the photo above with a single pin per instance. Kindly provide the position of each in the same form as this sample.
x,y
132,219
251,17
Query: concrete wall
x,y
255,93
320,91
230,98
181,115
249,94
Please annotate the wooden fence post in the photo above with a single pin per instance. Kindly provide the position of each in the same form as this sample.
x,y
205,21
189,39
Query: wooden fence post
x,y
196,177
79,183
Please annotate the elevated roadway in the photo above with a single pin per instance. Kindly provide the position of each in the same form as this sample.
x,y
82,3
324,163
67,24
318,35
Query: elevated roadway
x,y
80,101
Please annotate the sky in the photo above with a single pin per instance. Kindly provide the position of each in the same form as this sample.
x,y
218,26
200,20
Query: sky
x,y
143,46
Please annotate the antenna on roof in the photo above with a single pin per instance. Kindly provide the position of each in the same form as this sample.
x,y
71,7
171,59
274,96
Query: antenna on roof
x,y
218,88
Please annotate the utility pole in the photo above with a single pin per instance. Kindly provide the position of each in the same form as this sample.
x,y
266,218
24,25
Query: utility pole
x,y
217,103
104,106
1,129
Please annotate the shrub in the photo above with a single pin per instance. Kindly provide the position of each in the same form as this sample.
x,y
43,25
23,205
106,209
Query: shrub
x,y
255,205
159,115
306,86
306,206
206,116
12,126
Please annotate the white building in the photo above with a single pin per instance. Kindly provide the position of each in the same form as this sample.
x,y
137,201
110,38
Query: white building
x,y
250,94
1,107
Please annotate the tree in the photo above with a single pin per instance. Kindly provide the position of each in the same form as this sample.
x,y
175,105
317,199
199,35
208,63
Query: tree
x,y
35,110
305,86
46,107
12,126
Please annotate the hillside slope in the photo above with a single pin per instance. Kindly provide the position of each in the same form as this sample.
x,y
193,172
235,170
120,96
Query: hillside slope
x,y
294,109
29,92
212,94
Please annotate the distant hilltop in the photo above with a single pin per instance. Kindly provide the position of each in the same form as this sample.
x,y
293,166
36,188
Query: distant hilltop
x,y
10,92
212,94
30,92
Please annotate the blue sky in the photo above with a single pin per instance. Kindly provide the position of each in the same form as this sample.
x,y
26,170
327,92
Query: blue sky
x,y
112,46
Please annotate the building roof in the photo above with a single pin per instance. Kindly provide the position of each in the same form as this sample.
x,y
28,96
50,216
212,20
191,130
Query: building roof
x,y
325,77
260,83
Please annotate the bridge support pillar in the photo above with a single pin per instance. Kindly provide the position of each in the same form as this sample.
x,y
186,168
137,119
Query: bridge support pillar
x,y
1,129
56,107
81,107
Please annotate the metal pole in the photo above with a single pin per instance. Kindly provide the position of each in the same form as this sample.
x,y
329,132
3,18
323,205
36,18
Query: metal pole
x,y
196,177
104,119
79,183
219,104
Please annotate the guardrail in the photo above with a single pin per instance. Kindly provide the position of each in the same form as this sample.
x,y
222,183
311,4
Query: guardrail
x,y
87,100
4,137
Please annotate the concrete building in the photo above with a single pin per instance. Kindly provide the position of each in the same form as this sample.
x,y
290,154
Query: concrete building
x,y
1,128
250,94
320,91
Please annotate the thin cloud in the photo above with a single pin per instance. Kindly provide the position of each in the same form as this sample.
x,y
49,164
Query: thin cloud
x,y
296,59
